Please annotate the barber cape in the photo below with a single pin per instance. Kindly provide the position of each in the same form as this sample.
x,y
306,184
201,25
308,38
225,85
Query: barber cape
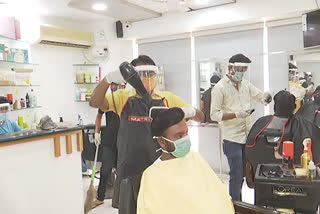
x,y
184,185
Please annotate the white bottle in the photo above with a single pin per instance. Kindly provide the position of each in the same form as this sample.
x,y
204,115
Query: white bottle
x,y
312,170
33,98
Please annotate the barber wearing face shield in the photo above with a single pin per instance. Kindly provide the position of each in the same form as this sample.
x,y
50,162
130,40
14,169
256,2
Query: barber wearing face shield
x,y
136,148
6,125
230,106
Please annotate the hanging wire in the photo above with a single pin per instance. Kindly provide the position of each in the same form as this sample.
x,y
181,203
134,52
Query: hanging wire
x,y
317,3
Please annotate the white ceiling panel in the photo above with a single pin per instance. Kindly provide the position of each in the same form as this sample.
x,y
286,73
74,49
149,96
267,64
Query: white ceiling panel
x,y
117,9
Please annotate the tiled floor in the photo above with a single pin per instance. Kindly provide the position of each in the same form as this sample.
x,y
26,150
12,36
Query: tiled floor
x,y
247,194
102,209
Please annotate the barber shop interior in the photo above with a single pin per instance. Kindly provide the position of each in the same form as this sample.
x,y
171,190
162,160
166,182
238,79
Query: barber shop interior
x,y
160,106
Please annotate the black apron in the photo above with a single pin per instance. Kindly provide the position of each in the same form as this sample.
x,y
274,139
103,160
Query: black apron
x,y
136,148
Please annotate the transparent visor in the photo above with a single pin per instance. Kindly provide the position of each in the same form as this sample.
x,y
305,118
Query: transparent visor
x,y
147,73
240,67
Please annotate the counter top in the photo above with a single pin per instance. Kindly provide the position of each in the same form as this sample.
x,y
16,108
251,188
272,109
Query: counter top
x,y
5,138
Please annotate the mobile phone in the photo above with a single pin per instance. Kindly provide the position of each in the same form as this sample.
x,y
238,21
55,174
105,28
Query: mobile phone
x,y
252,110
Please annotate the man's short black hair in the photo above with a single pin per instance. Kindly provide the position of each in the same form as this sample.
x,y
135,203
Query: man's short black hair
x,y
284,104
162,119
239,58
3,100
142,60
214,79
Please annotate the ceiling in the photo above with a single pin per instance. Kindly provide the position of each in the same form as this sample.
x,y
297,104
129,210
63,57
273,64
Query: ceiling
x,y
124,10
49,8
137,10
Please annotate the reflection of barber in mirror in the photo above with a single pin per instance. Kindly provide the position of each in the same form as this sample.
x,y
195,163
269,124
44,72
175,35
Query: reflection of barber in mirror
x,y
295,88
296,129
206,98
230,106
180,181
311,110
6,125
136,148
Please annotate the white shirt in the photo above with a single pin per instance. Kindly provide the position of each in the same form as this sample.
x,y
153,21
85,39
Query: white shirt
x,y
225,98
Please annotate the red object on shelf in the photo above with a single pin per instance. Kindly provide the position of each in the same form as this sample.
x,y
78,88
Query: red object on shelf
x,y
288,149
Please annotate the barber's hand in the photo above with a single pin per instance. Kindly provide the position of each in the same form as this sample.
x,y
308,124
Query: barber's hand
x,y
267,98
243,114
189,112
97,139
114,77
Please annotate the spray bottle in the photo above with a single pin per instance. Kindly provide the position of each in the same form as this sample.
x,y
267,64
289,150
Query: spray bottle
x,y
305,157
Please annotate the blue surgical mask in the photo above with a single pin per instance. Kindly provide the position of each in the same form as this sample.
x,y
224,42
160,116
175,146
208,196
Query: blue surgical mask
x,y
182,146
238,76
3,117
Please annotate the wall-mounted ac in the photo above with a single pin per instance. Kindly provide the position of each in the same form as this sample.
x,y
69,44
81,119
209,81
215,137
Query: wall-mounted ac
x,y
52,35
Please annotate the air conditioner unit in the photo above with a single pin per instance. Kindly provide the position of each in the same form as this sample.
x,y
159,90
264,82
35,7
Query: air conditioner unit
x,y
52,35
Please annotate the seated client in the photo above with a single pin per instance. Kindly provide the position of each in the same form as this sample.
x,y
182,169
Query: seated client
x,y
180,181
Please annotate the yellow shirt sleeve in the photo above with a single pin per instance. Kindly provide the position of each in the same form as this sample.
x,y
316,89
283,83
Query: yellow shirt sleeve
x,y
117,102
174,100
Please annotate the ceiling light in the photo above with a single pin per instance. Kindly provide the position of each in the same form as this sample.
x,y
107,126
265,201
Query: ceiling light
x,y
100,6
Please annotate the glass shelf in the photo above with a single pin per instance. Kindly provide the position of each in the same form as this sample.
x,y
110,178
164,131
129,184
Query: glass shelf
x,y
19,85
79,101
13,40
26,108
91,83
85,64
7,63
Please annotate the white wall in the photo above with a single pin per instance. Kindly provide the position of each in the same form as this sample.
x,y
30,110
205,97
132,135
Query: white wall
x,y
56,75
175,57
243,11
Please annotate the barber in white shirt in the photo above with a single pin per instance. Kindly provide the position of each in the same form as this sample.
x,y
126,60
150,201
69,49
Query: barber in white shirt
x,y
230,106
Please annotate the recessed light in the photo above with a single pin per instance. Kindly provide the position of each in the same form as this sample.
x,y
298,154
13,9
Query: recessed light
x,y
311,28
99,6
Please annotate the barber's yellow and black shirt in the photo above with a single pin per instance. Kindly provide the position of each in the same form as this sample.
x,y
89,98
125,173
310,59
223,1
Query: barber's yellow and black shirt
x,y
121,96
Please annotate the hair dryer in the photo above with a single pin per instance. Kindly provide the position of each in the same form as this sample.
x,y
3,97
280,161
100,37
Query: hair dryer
x,y
130,75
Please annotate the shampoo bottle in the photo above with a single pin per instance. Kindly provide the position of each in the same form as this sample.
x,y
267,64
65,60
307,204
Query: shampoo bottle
x,y
305,157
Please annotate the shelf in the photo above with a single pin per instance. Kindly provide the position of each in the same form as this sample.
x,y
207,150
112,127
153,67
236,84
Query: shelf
x,y
26,108
85,64
79,101
13,40
19,85
86,83
2,62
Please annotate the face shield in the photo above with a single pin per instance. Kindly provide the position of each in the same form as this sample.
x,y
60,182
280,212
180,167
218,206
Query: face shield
x,y
238,70
293,75
148,73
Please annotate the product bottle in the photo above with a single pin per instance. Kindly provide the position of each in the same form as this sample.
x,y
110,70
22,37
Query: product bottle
x,y
312,170
33,98
27,101
305,157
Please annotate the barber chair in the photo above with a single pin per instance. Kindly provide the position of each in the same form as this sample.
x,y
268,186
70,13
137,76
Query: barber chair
x,y
262,151
129,190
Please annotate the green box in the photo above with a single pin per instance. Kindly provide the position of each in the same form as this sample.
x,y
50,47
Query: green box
x,y
1,51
